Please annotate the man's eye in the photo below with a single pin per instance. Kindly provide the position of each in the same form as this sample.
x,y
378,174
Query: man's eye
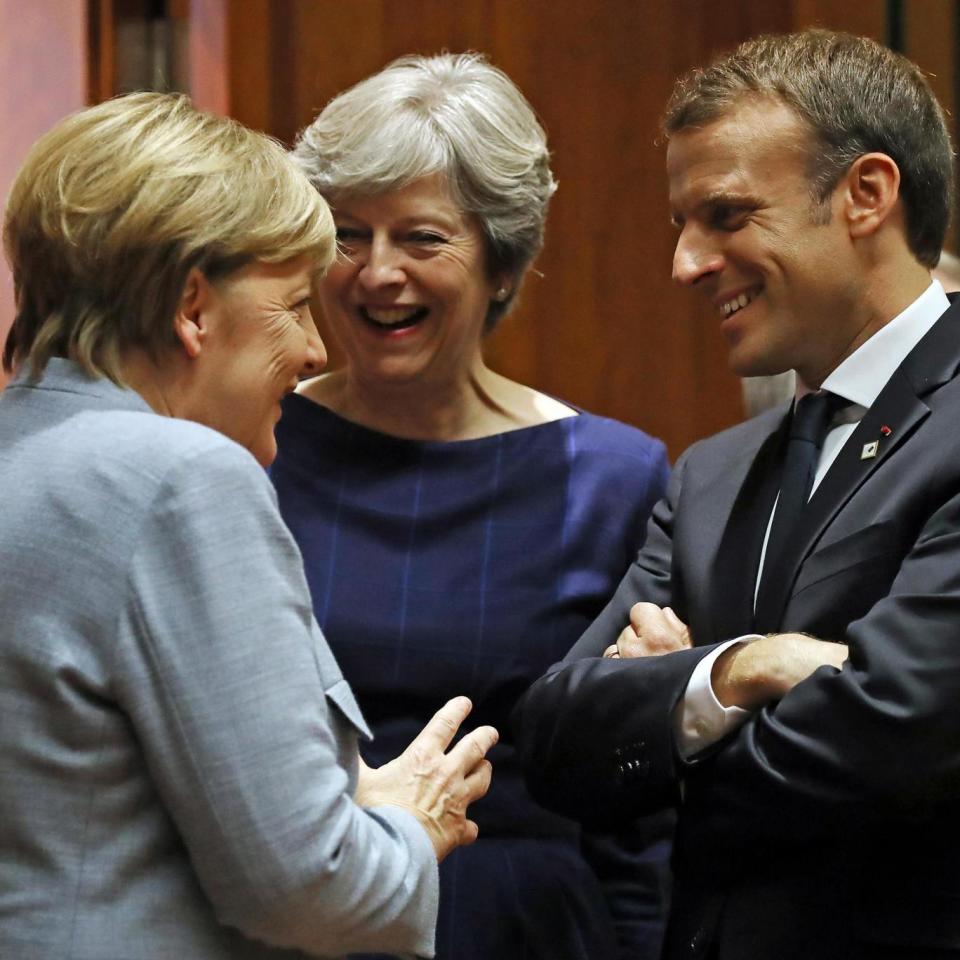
x,y
729,218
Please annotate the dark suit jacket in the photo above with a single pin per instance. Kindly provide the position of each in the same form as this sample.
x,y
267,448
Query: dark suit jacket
x,y
829,823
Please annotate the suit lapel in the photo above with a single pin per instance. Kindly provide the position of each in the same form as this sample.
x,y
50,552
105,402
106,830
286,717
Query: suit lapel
x,y
734,571
895,416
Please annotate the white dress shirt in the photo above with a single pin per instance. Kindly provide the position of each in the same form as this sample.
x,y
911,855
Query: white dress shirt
x,y
700,717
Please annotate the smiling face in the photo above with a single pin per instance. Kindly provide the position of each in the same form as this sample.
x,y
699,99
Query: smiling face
x,y
785,286
410,289
254,338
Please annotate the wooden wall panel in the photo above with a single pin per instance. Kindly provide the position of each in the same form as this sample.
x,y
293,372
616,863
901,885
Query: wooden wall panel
x,y
866,18
930,37
600,322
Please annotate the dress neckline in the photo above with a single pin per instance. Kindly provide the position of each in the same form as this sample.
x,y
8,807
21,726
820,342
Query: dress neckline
x,y
346,426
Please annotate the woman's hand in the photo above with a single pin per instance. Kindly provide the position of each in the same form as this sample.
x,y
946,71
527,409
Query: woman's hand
x,y
436,787
652,631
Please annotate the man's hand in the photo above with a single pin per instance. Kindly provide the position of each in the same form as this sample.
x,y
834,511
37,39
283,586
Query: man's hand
x,y
436,787
653,630
753,674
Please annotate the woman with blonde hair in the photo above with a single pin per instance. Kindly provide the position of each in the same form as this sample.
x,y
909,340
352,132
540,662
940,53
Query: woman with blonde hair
x,y
178,745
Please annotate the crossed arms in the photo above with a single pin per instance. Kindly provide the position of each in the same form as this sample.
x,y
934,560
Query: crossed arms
x,y
862,729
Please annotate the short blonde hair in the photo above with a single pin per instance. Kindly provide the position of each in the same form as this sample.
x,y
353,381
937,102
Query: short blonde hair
x,y
454,114
117,203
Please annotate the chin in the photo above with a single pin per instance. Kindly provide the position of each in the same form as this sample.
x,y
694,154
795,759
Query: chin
x,y
265,453
746,364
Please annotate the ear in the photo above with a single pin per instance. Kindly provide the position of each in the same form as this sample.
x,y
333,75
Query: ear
x,y
192,322
872,192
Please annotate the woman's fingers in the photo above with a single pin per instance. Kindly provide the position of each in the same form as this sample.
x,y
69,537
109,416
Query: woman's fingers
x,y
471,750
442,727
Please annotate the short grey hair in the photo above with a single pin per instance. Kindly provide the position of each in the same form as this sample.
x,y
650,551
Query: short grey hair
x,y
452,114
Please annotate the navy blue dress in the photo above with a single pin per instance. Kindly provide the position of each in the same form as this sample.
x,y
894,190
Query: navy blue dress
x,y
469,567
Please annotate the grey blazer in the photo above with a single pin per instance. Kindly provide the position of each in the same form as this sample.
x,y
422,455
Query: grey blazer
x,y
177,744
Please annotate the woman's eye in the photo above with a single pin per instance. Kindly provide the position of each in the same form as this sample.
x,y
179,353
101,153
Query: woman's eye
x,y
426,237
348,235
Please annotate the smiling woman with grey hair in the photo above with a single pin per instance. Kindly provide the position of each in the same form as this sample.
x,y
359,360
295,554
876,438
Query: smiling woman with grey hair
x,y
455,117
461,530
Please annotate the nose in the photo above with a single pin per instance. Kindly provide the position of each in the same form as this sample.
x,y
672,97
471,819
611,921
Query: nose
x,y
382,267
694,259
315,357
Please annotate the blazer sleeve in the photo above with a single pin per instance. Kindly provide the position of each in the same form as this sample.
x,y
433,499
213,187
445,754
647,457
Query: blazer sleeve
x,y
877,739
631,865
243,720
596,736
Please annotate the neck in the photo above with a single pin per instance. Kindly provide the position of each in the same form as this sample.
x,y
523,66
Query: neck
x,y
885,296
473,405
141,374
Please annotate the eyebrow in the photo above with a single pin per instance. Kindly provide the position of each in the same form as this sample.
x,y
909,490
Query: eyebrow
x,y
425,218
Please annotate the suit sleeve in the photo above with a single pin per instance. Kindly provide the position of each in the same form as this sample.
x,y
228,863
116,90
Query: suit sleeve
x,y
631,865
242,716
878,739
596,736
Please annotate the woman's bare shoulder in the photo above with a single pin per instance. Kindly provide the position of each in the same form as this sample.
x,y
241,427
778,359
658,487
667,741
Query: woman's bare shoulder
x,y
526,405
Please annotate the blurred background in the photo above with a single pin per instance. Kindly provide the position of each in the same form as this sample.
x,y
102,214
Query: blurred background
x,y
600,324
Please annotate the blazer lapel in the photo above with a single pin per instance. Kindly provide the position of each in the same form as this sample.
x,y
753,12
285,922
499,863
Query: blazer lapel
x,y
895,415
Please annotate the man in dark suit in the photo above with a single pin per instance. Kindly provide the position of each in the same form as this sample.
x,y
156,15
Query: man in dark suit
x,y
810,735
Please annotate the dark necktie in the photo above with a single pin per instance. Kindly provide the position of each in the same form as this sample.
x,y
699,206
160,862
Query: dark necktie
x,y
810,425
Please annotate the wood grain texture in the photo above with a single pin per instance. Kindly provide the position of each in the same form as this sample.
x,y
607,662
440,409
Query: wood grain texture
x,y
600,323
931,39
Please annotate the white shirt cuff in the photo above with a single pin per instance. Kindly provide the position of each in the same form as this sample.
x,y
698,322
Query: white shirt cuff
x,y
700,718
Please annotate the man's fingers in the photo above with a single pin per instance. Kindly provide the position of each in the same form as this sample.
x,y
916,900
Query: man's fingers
x,y
676,622
677,625
613,651
653,631
629,644
640,614
442,727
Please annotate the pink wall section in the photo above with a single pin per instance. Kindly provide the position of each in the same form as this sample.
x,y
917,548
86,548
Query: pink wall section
x,y
43,63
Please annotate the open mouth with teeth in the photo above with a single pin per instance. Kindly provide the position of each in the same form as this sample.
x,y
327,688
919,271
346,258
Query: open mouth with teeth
x,y
738,302
393,318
